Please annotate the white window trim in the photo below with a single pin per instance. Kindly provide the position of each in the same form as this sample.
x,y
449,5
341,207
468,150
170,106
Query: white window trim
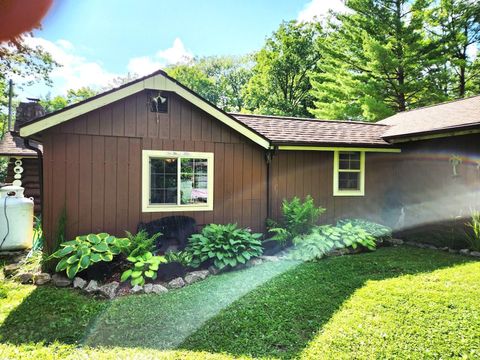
x,y
336,169
148,154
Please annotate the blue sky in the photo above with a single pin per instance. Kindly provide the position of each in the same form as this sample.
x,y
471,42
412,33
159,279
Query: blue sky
x,y
96,40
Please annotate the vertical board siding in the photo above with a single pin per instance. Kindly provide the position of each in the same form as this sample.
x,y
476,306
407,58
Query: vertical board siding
x,y
302,173
98,183
93,166
85,184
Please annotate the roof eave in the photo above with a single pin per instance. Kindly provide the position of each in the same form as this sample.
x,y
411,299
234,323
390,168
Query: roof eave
x,y
471,128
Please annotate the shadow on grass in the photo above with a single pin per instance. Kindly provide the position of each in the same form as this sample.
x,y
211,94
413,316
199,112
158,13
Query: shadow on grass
x,y
271,310
47,315
281,318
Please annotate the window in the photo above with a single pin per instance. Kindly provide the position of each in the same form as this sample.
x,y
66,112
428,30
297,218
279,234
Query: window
x,y
177,181
349,173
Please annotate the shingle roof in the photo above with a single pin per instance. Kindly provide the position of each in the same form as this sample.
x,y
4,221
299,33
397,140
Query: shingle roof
x,y
451,115
13,146
287,130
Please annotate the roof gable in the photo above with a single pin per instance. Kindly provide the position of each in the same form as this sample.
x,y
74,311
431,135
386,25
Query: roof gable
x,y
156,81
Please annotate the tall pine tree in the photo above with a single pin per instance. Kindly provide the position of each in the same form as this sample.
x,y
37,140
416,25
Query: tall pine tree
x,y
377,60
456,24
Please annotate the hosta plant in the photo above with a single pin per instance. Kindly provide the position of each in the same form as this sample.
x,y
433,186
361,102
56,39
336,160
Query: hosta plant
x,y
323,239
377,230
143,267
224,245
354,236
85,250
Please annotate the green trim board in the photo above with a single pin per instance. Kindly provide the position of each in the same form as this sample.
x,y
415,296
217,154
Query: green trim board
x,y
156,81
333,148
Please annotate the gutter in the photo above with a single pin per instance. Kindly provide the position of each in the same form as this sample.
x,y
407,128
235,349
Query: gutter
x,y
269,154
26,142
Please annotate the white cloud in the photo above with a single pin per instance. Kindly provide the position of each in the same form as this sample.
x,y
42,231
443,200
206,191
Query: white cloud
x,y
176,54
75,71
143,65
319,8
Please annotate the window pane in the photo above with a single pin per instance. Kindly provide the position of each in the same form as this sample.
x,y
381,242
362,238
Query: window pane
x,y
163,181
349,181
193,188
349,160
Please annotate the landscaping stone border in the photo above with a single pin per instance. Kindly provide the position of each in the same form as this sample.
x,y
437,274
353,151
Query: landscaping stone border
x,y
465,252
111,290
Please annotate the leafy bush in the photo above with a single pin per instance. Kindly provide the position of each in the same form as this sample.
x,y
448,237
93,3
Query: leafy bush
x,y
377,230
144,266
317,243
473,236
323,239
38,236
141,243
298,218
182,257
354,235
225,245
77,255
282,235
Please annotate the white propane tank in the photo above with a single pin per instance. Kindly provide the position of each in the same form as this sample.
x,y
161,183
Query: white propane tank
x,y
16,219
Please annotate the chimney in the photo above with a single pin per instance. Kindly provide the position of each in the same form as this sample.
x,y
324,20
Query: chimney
x,y
27,111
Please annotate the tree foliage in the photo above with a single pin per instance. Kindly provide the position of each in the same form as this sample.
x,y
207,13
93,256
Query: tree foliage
x,y
386,56
378,61
220,80
73,96
281,76
456,25
23,63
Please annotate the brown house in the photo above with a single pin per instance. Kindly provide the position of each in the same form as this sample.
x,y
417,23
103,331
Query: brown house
x,y
153,148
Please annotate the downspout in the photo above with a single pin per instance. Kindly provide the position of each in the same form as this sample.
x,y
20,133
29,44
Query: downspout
x,y
268,158
29,146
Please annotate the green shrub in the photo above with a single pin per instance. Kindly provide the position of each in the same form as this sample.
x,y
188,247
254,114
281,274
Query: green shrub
x,y
377,230
144,266
38,236
317,243
354,236
86,250
182,257
323,239
225,245
298,218
473,235
141,243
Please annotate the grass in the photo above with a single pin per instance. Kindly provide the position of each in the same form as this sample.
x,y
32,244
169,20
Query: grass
x,y
393,303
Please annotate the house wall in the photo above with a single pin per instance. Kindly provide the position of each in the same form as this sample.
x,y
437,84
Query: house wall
x,y
92,167
427,187
302,173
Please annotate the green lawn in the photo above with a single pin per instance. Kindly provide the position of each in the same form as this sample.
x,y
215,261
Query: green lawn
x,y
393,303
